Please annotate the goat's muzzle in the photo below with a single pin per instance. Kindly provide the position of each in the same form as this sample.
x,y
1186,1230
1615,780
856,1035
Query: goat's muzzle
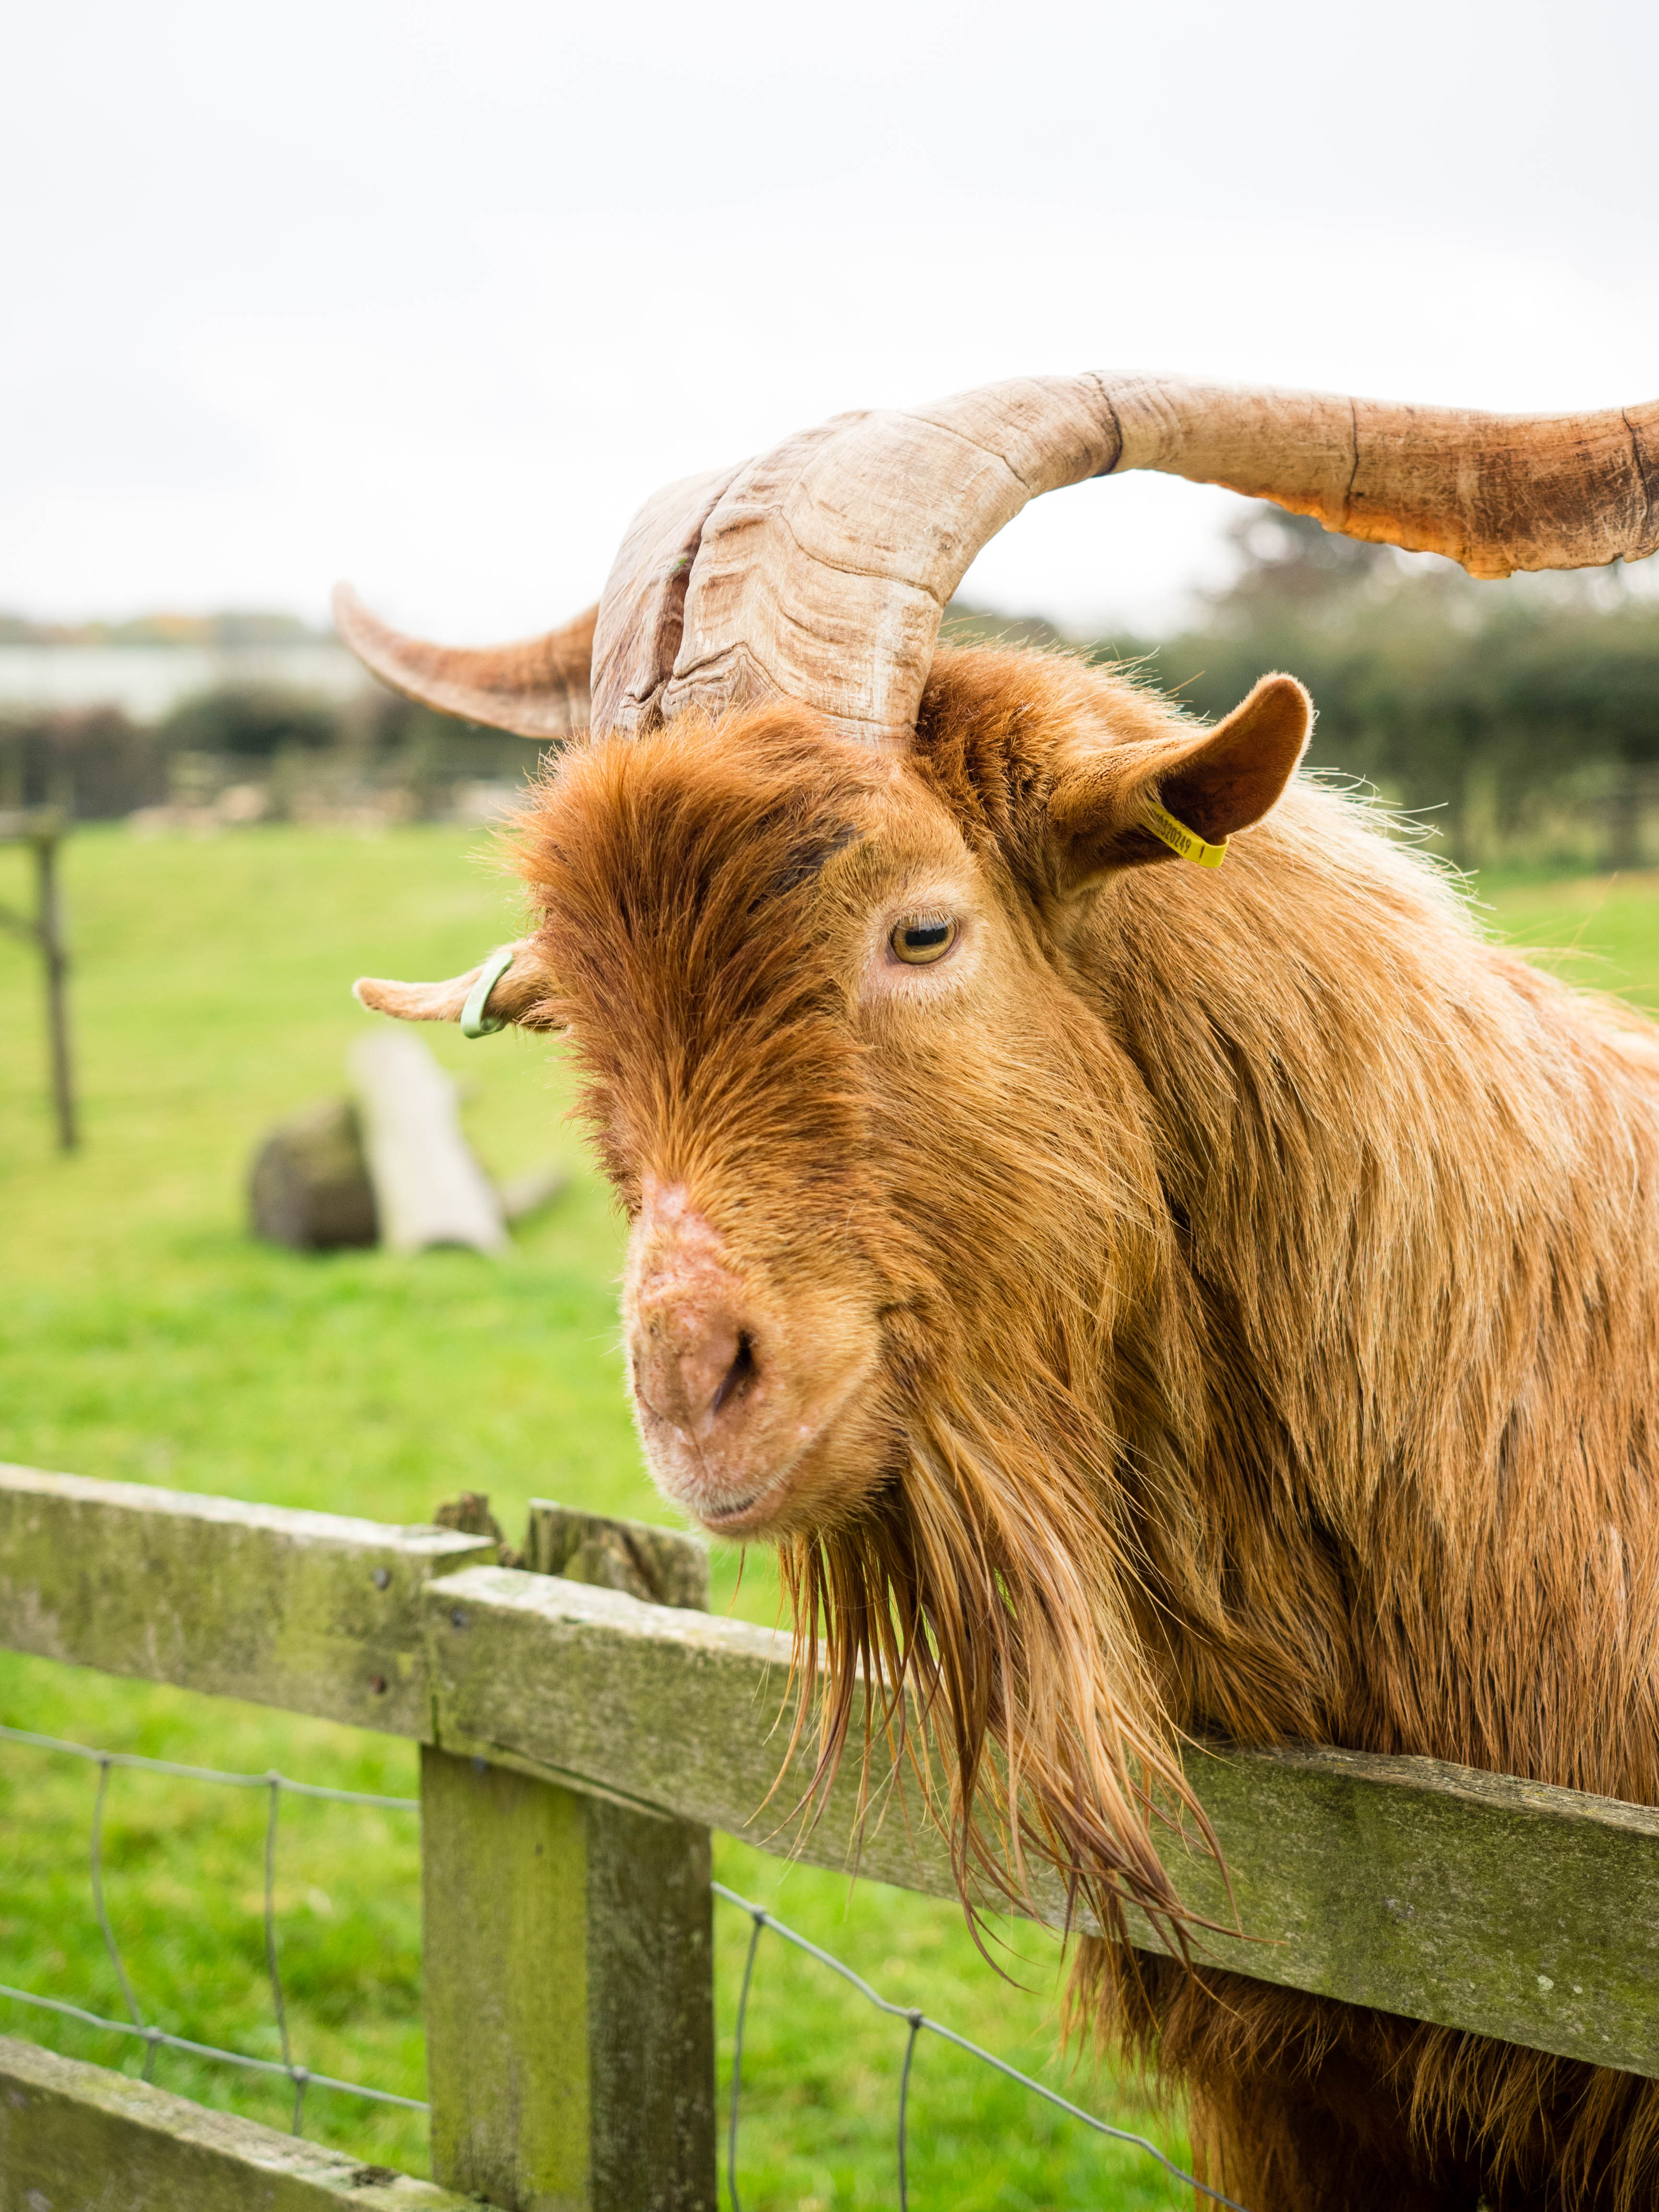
x,y
736,1383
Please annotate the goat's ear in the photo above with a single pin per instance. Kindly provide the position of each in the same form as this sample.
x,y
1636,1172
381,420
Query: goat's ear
x,y
514,994
1101,813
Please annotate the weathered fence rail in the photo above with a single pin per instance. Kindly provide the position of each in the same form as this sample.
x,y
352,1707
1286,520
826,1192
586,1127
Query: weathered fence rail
x,y
78,2138
581,1744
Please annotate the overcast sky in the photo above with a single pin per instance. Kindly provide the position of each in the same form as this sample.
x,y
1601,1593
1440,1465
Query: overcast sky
x,y
433,295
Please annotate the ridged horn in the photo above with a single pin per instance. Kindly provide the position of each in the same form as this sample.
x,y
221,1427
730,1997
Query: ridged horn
x,y
538,687
820,570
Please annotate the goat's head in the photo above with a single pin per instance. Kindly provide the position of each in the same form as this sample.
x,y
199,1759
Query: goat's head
x,y
799,948
811,906
839,1068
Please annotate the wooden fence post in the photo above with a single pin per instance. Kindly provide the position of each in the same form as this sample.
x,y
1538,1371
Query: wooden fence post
x,y
54,954
569,1995
42,829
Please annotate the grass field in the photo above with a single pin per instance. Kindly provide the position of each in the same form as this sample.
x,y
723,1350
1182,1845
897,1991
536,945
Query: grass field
x,y
144,1336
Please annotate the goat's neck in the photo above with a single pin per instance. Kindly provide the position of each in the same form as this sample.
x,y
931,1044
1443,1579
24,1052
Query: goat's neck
x,y
1381,1144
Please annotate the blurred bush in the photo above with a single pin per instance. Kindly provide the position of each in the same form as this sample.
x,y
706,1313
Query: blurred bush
x,y
92,760
245,753
1521,717
252,722
436,759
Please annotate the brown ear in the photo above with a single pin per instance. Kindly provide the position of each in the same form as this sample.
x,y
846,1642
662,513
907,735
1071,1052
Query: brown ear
x,y
515,996
1214,785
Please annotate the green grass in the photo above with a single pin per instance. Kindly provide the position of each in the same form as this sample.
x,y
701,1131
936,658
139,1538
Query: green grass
x,y
147,1338
1599,932
144,1336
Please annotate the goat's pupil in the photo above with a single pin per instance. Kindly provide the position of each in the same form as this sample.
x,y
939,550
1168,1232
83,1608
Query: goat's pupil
x,y
927,937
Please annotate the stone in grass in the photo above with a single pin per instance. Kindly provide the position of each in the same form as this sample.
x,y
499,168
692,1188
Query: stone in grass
x,y
309,1187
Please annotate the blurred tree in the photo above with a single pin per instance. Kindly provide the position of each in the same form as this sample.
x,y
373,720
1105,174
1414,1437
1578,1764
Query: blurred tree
x,y
1289,565
1525,713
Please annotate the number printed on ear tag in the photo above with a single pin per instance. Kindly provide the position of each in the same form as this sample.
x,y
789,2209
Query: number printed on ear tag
x,y
1180,839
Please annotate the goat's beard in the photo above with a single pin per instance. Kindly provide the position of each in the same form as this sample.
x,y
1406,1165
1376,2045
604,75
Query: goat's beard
x,y
974,1615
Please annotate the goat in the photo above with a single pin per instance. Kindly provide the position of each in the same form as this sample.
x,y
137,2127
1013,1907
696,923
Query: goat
x,y
1139,1299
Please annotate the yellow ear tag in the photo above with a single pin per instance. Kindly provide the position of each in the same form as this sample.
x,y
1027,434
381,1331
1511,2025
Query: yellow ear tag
x,y
1180,839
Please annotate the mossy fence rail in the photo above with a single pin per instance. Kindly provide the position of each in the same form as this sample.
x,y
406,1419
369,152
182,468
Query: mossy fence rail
x,y
577,1745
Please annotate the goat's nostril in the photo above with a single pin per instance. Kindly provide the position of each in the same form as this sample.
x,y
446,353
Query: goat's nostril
x,y
740,1372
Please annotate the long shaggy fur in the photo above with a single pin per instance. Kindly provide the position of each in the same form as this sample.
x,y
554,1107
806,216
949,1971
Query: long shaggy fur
x,y
1270,1303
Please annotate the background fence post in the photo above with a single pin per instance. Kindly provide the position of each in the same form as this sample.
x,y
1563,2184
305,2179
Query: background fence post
x,y
54,954
42,829
569,1995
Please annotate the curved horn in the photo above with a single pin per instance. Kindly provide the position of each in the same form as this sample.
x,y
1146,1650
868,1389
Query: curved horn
x,y
820,570
521,985
538,688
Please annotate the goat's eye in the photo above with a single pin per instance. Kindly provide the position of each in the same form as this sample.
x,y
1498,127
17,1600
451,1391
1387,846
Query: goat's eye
x,y
920,939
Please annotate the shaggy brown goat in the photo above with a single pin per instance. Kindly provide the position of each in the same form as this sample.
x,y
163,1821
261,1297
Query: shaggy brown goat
x,y
1137,1298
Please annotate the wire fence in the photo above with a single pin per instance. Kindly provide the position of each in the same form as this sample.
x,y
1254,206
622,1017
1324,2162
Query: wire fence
x,y
154,2037
302,2079
916,2023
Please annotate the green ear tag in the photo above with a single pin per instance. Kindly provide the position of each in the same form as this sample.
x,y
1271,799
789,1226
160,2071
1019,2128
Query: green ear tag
x,y
475,1022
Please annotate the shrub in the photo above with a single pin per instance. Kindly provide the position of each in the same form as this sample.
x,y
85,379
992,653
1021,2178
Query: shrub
x,y
92,760
252,722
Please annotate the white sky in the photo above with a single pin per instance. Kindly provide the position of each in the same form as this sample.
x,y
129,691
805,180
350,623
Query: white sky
x,y
433,295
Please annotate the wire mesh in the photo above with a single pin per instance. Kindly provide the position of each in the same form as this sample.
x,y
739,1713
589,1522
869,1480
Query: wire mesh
x,y
149,2032
302,2078
916,2022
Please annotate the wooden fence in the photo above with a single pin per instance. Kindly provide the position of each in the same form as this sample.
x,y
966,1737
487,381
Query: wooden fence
x,y
43,829
578,1746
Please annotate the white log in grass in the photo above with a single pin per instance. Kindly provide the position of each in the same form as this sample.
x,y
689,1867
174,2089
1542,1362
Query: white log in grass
x,y
428,1189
